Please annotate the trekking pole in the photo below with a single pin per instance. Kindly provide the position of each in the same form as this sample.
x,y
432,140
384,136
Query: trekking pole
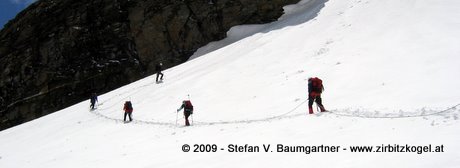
x,y
192,119
177,113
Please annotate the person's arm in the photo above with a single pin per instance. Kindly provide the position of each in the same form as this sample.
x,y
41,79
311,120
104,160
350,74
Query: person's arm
x,y
181,107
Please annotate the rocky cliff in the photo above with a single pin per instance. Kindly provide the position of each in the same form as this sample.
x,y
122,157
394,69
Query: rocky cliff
x,y
56,52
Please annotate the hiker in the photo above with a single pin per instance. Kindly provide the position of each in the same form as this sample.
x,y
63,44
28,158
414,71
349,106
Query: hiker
x,y
128,107
315,88
93,100
188,110
158,69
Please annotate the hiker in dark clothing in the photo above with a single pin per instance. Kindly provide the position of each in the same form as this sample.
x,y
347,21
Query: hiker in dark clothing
x,y
188,110
128,108
315,88
93,100
158,69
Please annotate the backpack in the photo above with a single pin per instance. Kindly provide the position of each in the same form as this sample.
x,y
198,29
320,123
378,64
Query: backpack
x,y
188,106
315,84
128,105
93,98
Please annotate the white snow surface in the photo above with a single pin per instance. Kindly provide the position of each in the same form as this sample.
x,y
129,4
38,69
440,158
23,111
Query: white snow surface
x,y
391,73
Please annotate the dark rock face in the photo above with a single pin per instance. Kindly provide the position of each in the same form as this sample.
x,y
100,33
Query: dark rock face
x,y
57,52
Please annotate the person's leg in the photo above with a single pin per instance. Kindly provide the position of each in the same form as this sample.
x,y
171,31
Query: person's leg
x,y
186,114
310,104
158,74
161,78
124,118
129,114
319,103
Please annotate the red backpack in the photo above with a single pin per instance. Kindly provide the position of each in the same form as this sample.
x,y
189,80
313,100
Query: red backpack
x,y
128,106
316,84
188,106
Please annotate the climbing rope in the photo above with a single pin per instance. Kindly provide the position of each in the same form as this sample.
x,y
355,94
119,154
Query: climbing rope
x,y
287,114
267,119
334,112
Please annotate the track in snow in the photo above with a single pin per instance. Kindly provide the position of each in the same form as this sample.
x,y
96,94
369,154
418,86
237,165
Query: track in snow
x,y
291,114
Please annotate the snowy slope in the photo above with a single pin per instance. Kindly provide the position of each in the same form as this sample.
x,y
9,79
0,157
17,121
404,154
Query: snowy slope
x,y
390,70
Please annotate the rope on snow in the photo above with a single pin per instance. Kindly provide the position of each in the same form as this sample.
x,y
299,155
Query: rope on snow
x,y
268,119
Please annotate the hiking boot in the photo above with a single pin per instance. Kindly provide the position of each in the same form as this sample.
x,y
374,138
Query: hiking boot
x,y
322,109
310,110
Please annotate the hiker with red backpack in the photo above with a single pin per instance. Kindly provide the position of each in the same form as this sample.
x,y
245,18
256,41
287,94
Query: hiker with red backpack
x,y
128,108
188,110
315,88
